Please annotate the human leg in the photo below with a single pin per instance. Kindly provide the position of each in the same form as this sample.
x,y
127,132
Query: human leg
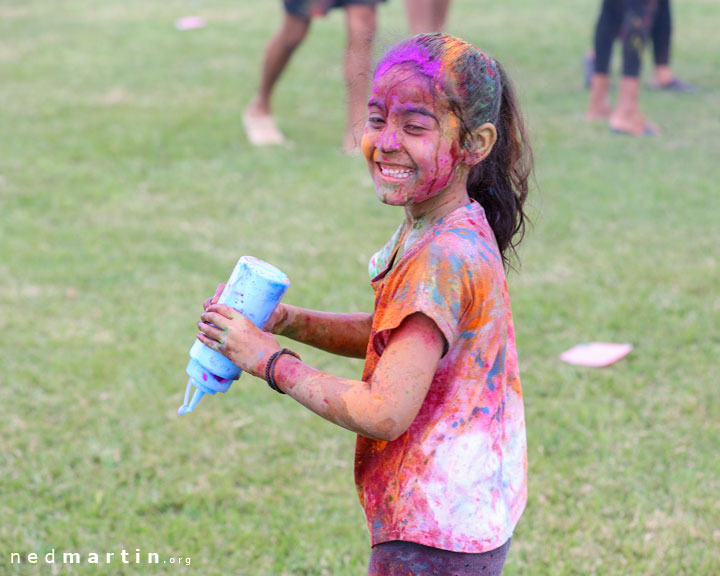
x,y
426,15
258,118
661,33
361,25
606,30
627,116
399,558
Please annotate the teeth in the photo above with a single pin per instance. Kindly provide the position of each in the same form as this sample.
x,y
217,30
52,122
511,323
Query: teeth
x,y
403,173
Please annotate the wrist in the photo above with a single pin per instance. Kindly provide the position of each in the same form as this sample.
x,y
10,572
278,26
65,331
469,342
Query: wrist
x,y
270,367
283,319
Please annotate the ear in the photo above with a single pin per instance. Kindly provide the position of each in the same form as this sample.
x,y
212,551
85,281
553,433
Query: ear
x,y
480,143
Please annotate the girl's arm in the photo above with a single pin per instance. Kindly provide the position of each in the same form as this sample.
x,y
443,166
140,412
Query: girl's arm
x,y
341,334
382,408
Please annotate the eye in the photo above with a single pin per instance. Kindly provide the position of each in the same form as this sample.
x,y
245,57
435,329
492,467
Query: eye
x,y
414,128
375,121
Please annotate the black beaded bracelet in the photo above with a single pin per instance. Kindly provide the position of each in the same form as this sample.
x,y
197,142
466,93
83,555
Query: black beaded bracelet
x,y
270,367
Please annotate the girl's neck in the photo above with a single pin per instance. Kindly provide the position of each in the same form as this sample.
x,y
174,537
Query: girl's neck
x,y
428,212
421,217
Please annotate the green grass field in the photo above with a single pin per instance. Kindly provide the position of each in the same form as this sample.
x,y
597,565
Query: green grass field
x,y
128,191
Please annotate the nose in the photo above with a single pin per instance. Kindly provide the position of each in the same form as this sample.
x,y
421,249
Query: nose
x,y
388,141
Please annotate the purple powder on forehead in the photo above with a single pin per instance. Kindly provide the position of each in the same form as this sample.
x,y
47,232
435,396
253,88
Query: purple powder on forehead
x,y
410,53
469,78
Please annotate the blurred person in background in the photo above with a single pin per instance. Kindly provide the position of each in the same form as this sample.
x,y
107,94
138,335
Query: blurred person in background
x,y
637,18
661,36
258,120
426,16
633,21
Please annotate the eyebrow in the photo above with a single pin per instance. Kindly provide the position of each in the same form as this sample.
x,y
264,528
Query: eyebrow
x,y
409,110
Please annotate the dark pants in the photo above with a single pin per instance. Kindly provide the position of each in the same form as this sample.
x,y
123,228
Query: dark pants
x,y
633,21
398,558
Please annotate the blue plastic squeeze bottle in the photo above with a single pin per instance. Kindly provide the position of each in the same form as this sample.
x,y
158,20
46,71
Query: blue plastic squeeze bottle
x,y
254,289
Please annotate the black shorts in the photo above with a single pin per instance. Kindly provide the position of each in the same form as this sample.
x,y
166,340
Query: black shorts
x,y
398,558
307,9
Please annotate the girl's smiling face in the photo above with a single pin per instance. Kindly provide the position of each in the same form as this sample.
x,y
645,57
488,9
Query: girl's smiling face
x,y
412,140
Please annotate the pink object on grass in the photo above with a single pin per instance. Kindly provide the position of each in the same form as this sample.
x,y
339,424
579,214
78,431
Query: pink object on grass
x,y
595,354
190,23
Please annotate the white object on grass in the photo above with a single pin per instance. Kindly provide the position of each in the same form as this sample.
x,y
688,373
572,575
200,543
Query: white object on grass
x,y
595,354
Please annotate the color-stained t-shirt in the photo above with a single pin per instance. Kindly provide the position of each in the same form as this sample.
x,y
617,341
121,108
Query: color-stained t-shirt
x,y
457,478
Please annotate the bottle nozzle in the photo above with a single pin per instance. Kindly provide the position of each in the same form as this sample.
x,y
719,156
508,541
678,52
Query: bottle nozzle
x,y
189,407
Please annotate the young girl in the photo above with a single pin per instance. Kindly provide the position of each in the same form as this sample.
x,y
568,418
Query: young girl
x,y
440,462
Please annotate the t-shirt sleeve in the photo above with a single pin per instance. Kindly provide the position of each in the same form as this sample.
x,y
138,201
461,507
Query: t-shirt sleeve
x,y
437,283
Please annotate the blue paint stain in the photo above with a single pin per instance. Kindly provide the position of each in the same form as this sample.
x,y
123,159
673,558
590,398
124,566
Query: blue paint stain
x,y
485,410
497,367
492,252
501,411
471,234
462,232
455,424
455,308
455,262
437,296
479,359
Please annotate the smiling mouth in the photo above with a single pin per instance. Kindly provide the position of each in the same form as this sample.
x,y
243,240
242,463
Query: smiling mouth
x,y
400,173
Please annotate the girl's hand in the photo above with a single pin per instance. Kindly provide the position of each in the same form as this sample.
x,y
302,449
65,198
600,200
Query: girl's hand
x,y
210,301
275,323
235,337
278,319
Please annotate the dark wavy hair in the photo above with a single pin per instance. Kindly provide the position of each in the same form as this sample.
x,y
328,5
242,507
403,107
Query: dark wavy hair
x,y
479,91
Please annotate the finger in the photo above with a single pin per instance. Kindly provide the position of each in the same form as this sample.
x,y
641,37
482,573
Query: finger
x,y
218,338
212,332
218,320
213,299
218,292
226,311
210,343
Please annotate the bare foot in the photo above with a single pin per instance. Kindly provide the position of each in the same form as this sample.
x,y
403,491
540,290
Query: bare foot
x,y
599,105
663,75
633,125
261,129
600,112
674,85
